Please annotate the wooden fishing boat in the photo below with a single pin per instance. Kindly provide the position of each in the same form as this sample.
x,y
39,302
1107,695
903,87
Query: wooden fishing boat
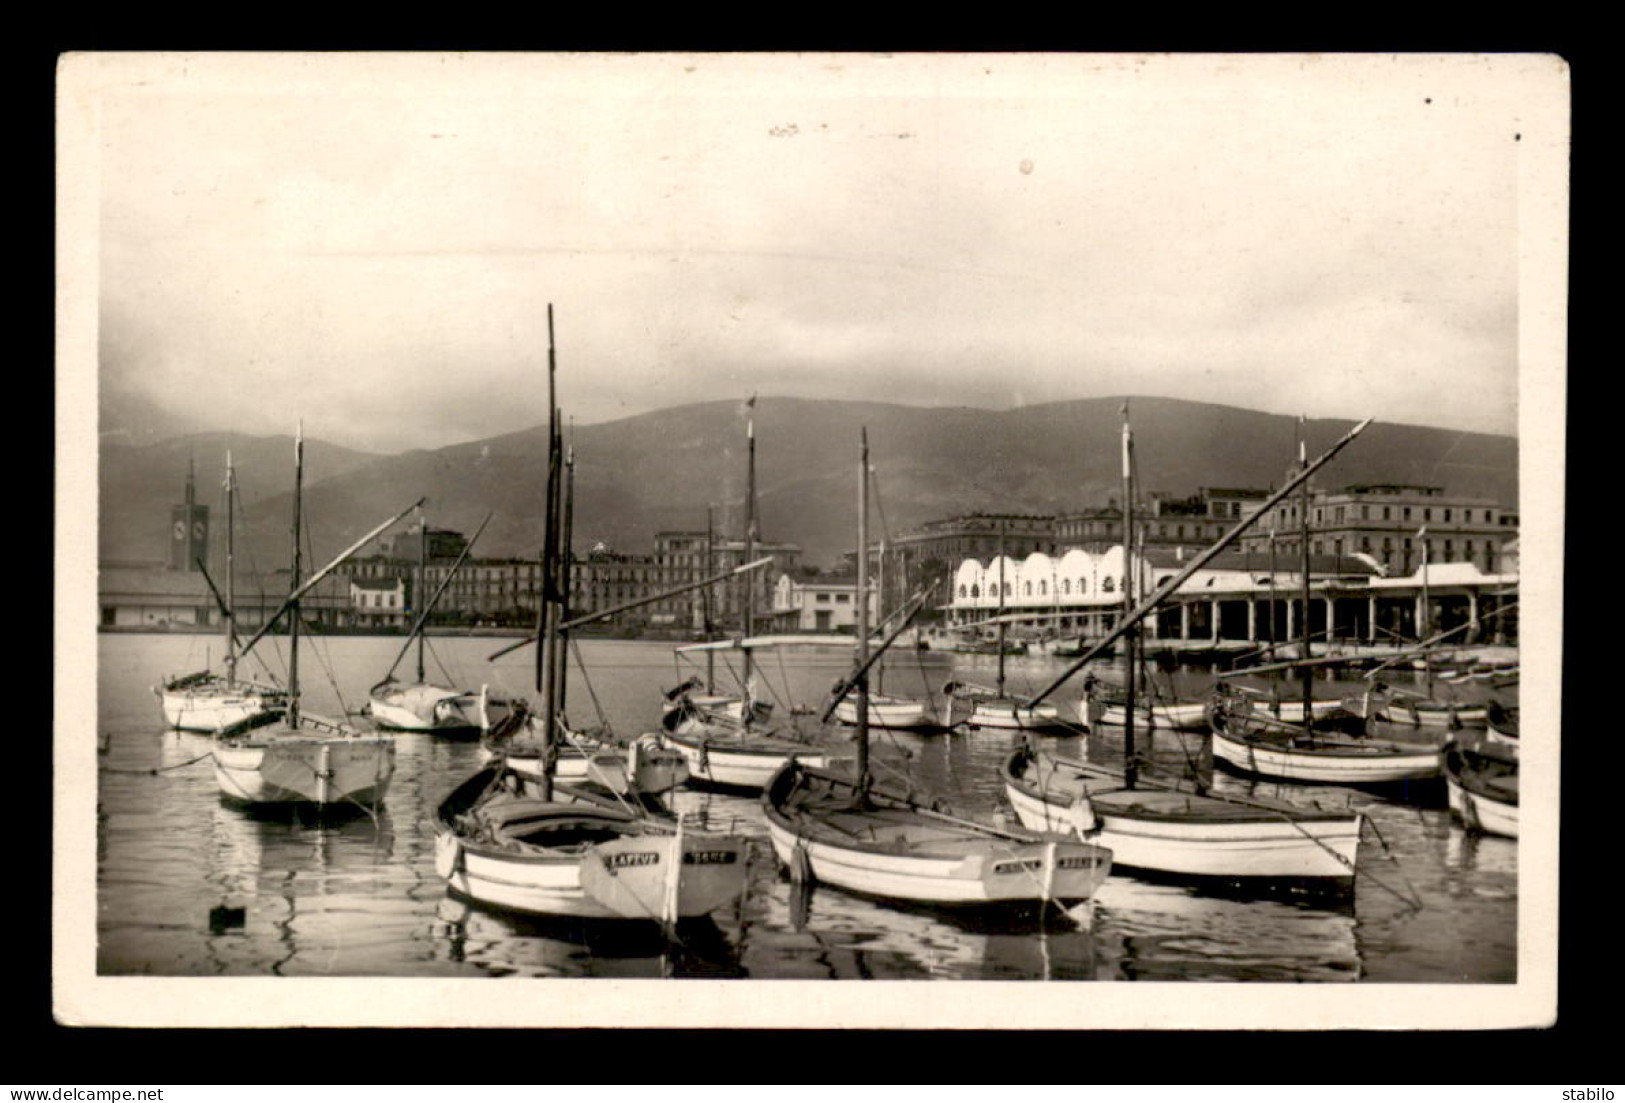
x,y
296,758
505,841
1395,707
1262,747
833,826
738,757
422,705
1501,723
318,761
1103,703
1168,832
569,858
690,711
1481,777
894,849
887,711
643,765
990,708
1269,702
210,701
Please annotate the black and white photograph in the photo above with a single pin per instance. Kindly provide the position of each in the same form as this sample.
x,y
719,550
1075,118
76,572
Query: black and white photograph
x,y
659,523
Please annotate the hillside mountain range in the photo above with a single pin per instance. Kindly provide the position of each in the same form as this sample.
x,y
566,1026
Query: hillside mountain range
x,y
659,471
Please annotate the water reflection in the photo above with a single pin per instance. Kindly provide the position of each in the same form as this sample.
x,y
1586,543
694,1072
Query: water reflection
x,y
187,885
823,933
501,944
1149,931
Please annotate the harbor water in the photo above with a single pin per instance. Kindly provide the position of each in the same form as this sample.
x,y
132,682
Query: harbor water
x,y
189,886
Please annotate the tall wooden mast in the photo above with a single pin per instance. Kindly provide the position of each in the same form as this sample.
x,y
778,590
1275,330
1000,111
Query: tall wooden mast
x,y
231,586
748,705
1303,505
863,615
1131,637
293,612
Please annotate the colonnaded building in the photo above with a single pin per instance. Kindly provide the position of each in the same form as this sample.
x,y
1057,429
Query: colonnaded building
x,y
1236,596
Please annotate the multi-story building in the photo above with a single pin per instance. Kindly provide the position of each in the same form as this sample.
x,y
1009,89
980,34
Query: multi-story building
x,y
1162,520
1391,523
821,603
682,556
378,603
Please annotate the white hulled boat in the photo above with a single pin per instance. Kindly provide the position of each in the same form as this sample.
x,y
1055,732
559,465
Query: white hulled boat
x,y
422,705
208,701
1481,777
530,846
1175,833
297,758
1263,747
833,826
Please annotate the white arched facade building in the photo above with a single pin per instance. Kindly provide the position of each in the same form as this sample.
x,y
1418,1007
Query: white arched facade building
x,y
1234,598
1078,593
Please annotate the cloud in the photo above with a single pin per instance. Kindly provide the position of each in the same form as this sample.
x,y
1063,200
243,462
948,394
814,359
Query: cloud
x,y
378,254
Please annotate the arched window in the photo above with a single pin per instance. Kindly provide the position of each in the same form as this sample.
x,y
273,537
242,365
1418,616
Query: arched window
x,y
975,590
1108,585
1083,585
1028,590
961,589
1066,586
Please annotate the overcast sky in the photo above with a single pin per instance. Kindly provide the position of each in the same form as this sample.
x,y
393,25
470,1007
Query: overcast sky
x,y
371,242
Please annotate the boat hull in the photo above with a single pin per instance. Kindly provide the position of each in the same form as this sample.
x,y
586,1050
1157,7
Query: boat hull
x,y
980,872
1012,716
1180,717
618,867
1482,787
888,713
304,767
1432,716
737,764
1267,847
426,708
650,768
211,710
1480,813
1377,765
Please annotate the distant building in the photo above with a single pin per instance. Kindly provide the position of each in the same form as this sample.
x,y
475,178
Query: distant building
x,y
150,595
934,549
682,557
1162,520
378,603
443,546
1386,522
1233,596
819,604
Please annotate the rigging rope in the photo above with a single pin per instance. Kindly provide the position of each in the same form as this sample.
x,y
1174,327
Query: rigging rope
x,y
586,679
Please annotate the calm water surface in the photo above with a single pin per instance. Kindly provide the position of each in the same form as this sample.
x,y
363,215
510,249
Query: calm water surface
x,y
189,886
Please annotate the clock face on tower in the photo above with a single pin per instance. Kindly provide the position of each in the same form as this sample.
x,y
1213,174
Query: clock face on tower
x,y
180,530
197,530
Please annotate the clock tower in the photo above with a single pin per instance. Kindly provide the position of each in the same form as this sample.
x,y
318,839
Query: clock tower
x,y
188,530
